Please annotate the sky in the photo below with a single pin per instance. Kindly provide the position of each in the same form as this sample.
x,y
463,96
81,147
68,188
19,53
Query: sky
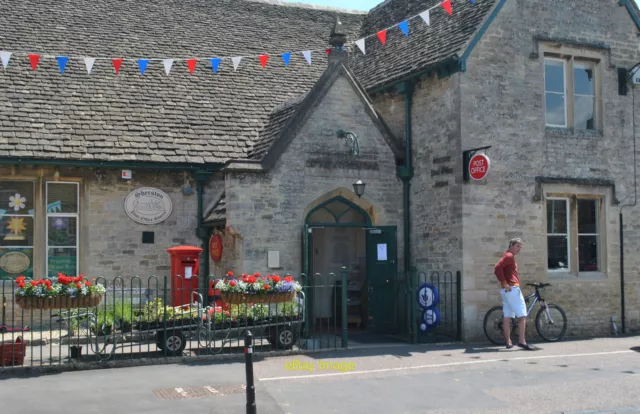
x,y
364,5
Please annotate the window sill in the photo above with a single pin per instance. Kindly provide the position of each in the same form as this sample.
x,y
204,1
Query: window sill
x,y
554,132
560,276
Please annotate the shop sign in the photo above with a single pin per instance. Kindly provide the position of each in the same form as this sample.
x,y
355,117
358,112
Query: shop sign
x,y
148,205
479,166
215,248
14,262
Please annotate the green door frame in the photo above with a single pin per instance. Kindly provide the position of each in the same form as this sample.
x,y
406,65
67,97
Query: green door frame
x,y
307,244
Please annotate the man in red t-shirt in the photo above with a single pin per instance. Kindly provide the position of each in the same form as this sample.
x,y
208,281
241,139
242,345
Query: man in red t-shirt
x,y
513,305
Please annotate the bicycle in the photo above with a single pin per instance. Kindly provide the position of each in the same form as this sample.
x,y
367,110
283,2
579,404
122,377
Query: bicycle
x,y
493,320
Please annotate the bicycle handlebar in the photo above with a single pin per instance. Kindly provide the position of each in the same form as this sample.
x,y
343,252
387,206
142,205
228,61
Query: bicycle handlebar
x,y
539,285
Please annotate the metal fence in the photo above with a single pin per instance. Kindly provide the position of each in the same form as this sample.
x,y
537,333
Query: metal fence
x,y
142,318
150,318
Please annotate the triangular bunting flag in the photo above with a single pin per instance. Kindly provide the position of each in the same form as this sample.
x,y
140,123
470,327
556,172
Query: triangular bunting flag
x,y
236,62
382,35
5,56
191,64
446,4
425,17
34,59
360,44
327,51
62,62
263,60
215,63
142,64
168,64
404,26
116,64
88,62
473,1
286,57
307,55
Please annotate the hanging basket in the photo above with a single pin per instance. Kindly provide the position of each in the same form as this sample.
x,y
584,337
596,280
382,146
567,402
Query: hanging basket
x,y
235,298
58,302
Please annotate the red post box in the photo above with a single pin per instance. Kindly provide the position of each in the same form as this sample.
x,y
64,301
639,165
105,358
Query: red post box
x,y
185,266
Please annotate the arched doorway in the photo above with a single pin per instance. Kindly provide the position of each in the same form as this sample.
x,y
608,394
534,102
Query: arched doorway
x,y
339,230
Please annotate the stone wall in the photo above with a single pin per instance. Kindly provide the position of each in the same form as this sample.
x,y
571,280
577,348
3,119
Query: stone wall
x,y
503,105
268,209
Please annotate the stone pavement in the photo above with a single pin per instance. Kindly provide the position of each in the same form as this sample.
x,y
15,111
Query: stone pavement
x,y
600,375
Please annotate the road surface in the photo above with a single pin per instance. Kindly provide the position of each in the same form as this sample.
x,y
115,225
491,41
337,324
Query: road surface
x,y
592,376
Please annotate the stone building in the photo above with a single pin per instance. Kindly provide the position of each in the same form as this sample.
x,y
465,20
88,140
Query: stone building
x,y
266,157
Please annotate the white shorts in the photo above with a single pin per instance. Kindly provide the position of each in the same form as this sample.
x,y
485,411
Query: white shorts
x,y
513,305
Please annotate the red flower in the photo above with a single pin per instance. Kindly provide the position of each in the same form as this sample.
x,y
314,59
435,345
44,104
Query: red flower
x,y
81,277
78,285
267,287
49,288
251,279
34,283
87,283
20,279
257,274
244,275
276,279
230,273
232,283
288,279
21,285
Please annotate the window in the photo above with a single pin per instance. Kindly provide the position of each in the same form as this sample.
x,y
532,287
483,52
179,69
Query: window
x,y
39,228
571,92
17,221
62,228
573,225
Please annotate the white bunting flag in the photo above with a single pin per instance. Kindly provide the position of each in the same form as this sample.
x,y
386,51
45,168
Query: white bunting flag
x,y
236,62
5,56
168,64
425,17
88,62
360,44
307,55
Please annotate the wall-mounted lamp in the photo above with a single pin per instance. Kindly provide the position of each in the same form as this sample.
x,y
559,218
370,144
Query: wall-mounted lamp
x,y
358,188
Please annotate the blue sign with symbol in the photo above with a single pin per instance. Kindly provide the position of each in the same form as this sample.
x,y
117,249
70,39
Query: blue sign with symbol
x,y
428,298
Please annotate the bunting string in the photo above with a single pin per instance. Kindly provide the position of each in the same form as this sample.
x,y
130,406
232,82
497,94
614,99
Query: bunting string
x,y
143,63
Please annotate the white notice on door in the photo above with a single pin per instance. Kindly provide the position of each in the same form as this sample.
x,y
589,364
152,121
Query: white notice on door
x,y
188,272
382,251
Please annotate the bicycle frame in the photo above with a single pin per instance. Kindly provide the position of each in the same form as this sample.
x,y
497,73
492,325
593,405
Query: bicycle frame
x,y
537,298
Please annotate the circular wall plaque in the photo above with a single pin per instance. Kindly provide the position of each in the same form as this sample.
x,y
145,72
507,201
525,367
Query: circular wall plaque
x,y
14,262
148,205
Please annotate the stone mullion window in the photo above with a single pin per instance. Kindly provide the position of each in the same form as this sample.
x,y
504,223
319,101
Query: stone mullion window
x,y
572,84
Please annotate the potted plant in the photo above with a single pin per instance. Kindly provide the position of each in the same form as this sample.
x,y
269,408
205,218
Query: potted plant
x,y
257,288
64,293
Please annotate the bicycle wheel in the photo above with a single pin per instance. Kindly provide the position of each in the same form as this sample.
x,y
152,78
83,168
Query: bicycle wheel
x,y
547,321
493,322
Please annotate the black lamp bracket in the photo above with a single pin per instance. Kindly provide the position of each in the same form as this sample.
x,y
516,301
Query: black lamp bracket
x,y
466,157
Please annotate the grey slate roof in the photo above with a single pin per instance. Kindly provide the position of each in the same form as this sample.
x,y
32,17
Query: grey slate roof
x,y
195,118
446,37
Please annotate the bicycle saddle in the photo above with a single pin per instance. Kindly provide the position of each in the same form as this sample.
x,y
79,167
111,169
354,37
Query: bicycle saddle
x,y
539,285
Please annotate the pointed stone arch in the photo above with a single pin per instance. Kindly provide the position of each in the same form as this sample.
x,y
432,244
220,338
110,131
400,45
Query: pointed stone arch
x,y
340,207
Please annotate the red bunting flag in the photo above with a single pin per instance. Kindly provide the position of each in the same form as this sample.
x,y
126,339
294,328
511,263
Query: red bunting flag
x,y
191,63
327,52
116,64
446,4
382,35
263,60
34,61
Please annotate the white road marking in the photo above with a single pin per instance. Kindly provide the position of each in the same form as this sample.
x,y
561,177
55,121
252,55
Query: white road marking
x,y
449,364
211,390
182,392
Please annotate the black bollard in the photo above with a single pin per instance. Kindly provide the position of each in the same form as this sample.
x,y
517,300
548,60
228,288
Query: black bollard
x,y
248,360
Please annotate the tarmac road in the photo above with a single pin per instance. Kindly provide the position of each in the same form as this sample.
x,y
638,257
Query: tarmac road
x,y
593,376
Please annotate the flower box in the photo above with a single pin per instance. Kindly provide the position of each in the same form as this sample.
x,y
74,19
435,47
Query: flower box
x,y
234,298
58,302
257,289
65,293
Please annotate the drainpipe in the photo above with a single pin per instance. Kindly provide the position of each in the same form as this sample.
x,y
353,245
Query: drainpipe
x,y
201,232
406,172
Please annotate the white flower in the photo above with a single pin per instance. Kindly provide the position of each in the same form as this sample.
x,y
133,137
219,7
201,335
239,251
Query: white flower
x,y
17,202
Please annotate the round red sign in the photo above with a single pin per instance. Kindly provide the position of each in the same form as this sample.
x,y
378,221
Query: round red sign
x,y
215,248
479,166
